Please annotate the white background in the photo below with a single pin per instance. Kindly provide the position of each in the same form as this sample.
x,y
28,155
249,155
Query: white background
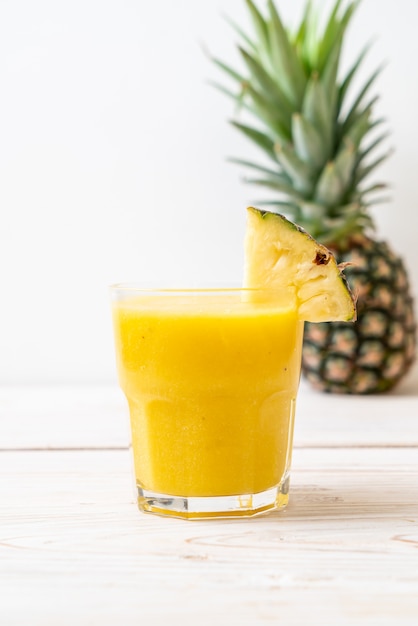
x,y
113,162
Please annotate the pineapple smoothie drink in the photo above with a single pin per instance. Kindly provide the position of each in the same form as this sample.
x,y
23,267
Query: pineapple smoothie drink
x,y
211,379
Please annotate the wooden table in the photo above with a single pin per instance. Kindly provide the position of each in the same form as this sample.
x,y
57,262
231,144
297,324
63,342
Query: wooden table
x,y
75,550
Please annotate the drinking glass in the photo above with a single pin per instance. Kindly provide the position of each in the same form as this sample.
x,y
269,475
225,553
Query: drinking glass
x,y
211,378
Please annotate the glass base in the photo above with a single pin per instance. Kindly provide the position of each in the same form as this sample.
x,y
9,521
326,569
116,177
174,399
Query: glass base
x,y
195,507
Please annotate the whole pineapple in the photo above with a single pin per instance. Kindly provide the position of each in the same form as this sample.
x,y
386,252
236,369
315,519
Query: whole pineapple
x,y
320,146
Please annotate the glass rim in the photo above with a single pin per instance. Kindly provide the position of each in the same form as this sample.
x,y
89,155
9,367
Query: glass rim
x,y
133,287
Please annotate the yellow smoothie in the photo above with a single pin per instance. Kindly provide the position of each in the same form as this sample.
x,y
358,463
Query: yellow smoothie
x,y
211,385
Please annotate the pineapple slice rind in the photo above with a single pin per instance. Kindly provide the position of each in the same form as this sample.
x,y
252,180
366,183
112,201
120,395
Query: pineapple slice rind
x,y
281,255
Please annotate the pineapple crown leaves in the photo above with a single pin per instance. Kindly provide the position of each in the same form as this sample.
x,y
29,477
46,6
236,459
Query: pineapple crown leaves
x,y
321,146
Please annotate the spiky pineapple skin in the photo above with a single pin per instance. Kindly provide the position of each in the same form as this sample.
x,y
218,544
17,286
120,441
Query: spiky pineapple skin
x,y
374,353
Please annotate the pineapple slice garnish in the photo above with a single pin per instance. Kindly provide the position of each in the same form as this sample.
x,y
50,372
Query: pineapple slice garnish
x,y
281,255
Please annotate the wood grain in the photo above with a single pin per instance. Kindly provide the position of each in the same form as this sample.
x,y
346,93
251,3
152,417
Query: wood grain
x,y
74,548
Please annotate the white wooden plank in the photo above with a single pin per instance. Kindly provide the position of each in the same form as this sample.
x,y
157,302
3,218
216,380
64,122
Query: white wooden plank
x,y
389,419
96,417
62,416
74,549
333,420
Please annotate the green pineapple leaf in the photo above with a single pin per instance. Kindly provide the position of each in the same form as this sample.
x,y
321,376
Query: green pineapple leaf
x,y
329,78
300,172
365,170
241,33
329,37
345,163
271,116
367,151
342,92
262,140
307,141
239,78
358,130
265,170
237,98
313,214
360,126
316,109
308,50
335,31
303,30
287,65
312,210
321,144
329,189
260,27
375,188
276,185
282,204
354,110
269,86
353,220
375,201
330,52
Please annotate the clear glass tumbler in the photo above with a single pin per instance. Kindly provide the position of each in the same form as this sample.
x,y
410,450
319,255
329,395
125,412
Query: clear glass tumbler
x,y
211,378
